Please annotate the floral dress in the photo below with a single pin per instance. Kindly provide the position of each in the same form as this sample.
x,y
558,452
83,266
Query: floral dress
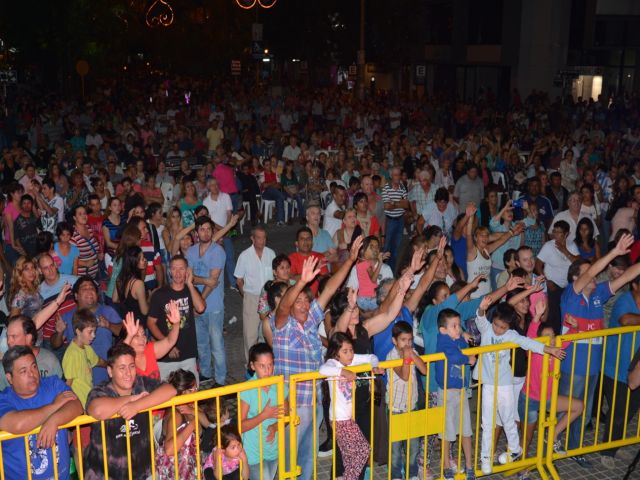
x,y
187,464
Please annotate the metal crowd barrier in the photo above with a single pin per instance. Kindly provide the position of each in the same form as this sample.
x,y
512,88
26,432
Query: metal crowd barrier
x,y
423,424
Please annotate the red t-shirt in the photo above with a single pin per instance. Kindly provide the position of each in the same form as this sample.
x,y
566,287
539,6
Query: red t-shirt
x,y
152,370
297,260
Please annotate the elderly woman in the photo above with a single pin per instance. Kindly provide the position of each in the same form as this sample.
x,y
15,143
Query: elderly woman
x,y
422,192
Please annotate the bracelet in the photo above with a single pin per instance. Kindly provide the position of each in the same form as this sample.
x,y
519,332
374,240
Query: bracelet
x,y
408,361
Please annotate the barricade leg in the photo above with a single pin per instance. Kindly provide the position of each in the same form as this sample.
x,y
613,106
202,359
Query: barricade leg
x,y
579,384
305,435
618,420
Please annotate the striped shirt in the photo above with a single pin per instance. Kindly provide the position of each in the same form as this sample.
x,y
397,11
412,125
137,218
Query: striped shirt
x,y
390,194
297,349
152,255
89,249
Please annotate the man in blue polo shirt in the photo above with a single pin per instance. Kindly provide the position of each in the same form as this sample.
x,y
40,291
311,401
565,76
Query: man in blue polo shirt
x,y
625,313
581,309
32,402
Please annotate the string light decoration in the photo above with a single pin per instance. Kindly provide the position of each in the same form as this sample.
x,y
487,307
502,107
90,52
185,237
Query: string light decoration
x,y
248,4
159,14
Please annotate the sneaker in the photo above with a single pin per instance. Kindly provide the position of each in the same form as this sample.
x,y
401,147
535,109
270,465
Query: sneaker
x,y
509,457
449,474
608,461
486,466
582,461
471,474
558,448
280,224
453,464
326,449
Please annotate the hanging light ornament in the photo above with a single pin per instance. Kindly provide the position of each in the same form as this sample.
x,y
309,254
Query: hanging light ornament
x,y
248,4
159,14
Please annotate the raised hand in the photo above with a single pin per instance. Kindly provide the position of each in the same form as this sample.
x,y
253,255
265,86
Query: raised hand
x,y
309,270
404,282
624,244
471,209
442,244
515,282
476,281
130,324
61,326
541,307
352,297
485,303
66,290
355,248
189,279
417,261
234,219
173,313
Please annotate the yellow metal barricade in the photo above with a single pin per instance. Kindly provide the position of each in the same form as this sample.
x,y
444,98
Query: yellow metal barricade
x,y
593,378
421,425
232,391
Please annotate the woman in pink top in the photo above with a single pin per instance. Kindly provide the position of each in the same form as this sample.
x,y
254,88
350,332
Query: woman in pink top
x,y
10,213
367,270
529,400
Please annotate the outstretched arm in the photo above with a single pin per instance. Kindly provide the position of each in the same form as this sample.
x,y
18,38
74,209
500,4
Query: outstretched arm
x,y
622,248
309,272
337,278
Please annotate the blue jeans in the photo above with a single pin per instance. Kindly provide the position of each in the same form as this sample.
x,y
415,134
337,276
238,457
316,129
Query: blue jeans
x,y
306,455
210,340
579,382
274,194
230,261
399,458
298,199
269,468
393,239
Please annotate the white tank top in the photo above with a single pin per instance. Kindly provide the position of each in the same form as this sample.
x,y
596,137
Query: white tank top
x,y
480,266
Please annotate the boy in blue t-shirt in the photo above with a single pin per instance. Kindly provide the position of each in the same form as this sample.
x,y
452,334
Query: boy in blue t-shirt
x,y
450,342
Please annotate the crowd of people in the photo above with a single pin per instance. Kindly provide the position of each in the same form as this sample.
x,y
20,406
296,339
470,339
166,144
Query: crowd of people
x,y
426,226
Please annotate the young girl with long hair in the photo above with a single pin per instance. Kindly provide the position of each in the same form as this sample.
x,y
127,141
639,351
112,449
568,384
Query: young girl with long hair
x,y
587,246
226,457
354,447
259,413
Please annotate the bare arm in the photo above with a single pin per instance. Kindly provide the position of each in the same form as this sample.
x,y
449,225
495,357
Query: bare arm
x,y
379,322
337,278
622,248
199,304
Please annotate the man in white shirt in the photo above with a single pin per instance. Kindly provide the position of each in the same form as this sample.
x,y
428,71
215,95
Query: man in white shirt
x,y
51,206
253,270
93,138
334,213
557,255
220,209
292,151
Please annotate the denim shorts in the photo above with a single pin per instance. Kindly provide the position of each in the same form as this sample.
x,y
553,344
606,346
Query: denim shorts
x,y
533,408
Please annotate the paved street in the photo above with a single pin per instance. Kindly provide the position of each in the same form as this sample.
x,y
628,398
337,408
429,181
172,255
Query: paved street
x,y
281,239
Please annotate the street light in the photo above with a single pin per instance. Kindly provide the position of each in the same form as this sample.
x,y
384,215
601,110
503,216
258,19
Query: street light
x,y
249,4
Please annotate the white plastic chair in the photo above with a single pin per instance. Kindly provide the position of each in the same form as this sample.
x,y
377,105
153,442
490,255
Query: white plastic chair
x,y
247,214
268,206
294,208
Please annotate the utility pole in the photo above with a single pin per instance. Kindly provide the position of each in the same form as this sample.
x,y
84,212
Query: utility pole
x,y
361,54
